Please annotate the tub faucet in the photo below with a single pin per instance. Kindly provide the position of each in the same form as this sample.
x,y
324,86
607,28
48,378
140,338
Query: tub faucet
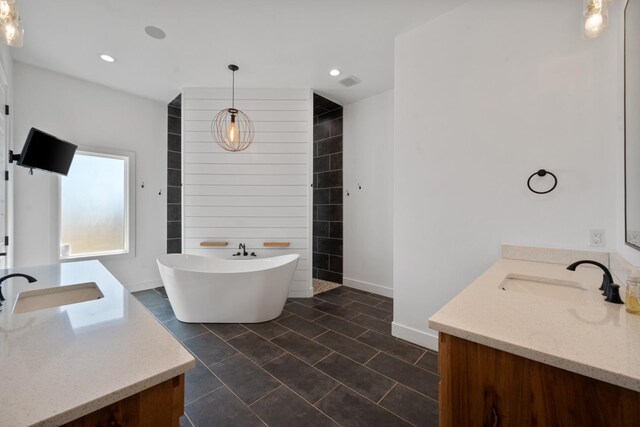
x,y
243,248
608,287
8,276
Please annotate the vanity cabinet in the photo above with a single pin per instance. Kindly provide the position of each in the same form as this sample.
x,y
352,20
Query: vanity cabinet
x,y
484,386
158,406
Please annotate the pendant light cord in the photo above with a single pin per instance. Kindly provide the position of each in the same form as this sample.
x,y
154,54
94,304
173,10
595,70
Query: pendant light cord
x,y
233,89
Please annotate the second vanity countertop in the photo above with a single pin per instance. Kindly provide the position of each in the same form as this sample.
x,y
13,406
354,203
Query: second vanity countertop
x,y
61,363
588,336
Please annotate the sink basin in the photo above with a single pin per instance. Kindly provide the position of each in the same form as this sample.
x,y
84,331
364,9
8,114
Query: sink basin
x,y
40,299
545,287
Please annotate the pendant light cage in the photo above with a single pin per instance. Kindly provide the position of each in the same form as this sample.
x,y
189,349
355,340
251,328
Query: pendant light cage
x,y
231,128
220,129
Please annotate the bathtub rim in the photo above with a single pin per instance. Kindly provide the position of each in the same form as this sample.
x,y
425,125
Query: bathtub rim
x,y
292,258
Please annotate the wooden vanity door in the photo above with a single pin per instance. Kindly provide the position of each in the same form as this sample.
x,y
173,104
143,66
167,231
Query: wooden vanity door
x,y
482,386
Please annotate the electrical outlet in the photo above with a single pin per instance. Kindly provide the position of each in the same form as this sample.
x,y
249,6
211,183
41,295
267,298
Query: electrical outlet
x,y
596,238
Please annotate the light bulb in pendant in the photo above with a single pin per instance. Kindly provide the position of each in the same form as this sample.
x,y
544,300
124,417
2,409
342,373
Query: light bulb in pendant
x,y
10,32
594,25
233,134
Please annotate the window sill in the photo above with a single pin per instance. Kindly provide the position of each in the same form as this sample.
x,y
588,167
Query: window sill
x,y
98,256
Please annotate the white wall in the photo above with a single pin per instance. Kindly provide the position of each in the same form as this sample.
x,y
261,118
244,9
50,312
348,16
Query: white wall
x,y
7,65
484,96
259,195
368,212
88,114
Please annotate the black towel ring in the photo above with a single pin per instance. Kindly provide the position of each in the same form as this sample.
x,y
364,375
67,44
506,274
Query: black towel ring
x,y
543,172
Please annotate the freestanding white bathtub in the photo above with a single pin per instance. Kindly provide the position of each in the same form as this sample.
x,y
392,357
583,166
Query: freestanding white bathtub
x,y
214,290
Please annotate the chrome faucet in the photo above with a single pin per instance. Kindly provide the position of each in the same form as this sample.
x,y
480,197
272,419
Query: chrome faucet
x,y
9,276
608,287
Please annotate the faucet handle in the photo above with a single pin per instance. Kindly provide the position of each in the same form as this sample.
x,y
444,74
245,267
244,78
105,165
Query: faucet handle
x,y
613,296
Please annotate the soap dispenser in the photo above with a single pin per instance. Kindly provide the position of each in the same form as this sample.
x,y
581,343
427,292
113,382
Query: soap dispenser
x,y
632,296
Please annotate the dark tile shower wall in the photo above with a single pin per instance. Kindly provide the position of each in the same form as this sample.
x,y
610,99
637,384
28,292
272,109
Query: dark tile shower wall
x,y
174,176
327,190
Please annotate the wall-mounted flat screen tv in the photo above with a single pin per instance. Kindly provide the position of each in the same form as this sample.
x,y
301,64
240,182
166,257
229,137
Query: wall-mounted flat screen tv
x,y
46,152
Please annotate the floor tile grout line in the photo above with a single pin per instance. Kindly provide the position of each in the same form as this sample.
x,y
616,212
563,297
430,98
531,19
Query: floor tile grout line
x,y
398,415
203,396
314,365
380,301
365,363
349,338
294,332
385,395
221,337
365,397
185,339
318,336
405,385
310,321
242,401
279,335
260,398
239,335
420,358
338,384
396,339
366,330
187,417
408,363
363,327
364,366
272,360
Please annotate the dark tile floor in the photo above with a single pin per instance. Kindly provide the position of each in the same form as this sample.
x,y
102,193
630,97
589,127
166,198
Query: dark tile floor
x,y
326,361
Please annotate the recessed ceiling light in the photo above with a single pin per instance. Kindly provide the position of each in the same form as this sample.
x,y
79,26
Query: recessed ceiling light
x,y
155,32
107,58
334,73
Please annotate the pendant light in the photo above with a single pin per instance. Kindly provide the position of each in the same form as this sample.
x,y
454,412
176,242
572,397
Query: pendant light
x,y
231,128
595,17
11,32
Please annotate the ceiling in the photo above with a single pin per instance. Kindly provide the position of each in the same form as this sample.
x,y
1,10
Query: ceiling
x,y
276,43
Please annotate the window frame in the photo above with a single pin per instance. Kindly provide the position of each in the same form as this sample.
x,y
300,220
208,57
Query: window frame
x,y
130,243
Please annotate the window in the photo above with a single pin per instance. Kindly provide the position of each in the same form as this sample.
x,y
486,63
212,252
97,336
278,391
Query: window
x,y
95,205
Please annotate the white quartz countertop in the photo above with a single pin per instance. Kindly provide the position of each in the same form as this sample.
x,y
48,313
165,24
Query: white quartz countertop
x,y
61,363
588,335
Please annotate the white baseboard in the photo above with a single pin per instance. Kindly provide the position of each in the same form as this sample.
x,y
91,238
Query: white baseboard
x,y
143,286
368,287
301,293
415,336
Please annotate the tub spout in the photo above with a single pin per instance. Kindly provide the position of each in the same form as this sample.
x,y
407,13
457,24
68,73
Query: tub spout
x,y
243,248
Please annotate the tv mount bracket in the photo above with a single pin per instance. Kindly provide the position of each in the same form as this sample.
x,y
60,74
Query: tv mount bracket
x,y
13,157
16,158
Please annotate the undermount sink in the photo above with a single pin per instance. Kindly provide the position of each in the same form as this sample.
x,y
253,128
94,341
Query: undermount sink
x,y
545,287
40,299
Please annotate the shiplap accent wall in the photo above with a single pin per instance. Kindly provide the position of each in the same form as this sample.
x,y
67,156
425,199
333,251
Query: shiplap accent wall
x,y
262,194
